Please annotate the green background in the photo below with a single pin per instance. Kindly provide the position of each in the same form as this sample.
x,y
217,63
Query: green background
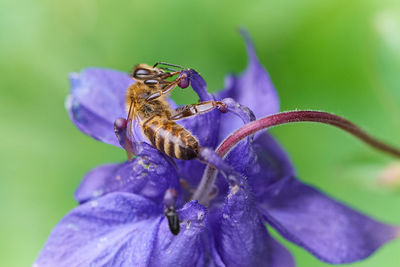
x,y
340,56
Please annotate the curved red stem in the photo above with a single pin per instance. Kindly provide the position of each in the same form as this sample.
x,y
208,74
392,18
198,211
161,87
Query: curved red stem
x,y
303,116
210,173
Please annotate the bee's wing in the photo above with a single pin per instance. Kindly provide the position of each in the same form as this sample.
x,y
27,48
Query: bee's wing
x,y
133,136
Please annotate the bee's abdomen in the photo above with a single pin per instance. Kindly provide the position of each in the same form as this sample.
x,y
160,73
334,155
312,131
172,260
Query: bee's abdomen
x,y
171,138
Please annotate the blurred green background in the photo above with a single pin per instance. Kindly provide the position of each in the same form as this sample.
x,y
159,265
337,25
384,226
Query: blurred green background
x,y
339,56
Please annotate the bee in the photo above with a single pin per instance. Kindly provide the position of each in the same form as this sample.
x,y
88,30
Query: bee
x,y
149,110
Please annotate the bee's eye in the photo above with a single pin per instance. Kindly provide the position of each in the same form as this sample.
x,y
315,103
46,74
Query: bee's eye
x,y
141,74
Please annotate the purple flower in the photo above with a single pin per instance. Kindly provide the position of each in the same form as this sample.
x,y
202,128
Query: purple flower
x,y
120,220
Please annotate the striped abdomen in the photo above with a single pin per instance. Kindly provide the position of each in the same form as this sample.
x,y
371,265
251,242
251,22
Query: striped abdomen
x,y
171,138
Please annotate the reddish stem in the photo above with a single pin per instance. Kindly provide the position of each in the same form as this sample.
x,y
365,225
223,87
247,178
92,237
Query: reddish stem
x,y
210,172
303,116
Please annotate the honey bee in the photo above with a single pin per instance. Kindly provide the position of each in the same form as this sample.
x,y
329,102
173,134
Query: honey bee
x,y
148,108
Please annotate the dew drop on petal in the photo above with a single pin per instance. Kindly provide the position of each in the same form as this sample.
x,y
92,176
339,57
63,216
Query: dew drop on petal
x,y
160,169
200,216
72,226
97,193
234,189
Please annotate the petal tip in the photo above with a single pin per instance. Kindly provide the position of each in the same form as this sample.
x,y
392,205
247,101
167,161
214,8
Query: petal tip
x,y
249,44
245,34
74,76
74,80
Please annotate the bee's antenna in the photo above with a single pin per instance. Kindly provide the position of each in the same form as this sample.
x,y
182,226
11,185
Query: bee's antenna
x,y
167,64
166,68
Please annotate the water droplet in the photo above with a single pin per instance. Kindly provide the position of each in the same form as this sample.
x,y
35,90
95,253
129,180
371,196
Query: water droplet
x,y
72,226
143,164
200,216
97,193
233,190
141,175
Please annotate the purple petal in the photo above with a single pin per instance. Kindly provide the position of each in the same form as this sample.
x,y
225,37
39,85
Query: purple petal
x,y
185,249
242,238
244,160
204,127
272,165
148,175
328,229
199,85
191,171
253,88
119,229
122,229
263,162
210,247
97,98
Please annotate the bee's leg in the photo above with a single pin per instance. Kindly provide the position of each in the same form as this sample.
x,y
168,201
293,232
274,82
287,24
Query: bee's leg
x,y
159,93
199,108
165,85
169,74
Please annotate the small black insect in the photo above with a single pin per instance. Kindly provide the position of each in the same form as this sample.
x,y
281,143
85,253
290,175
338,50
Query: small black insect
x,y
173,220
